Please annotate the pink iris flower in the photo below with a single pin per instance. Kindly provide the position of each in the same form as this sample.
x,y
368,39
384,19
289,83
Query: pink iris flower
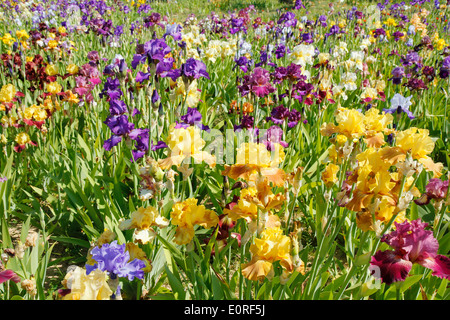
x,y
411,244
9,275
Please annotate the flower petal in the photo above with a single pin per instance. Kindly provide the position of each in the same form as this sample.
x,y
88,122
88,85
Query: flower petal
x,y
439,264
389,267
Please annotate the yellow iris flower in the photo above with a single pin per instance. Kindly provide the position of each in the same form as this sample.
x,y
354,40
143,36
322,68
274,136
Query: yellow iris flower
x,y
253,160
87,287
7,93
185,143
8,39
271,246
143,219
185,215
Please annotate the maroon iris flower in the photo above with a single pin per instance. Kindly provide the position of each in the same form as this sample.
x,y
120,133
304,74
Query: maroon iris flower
x,y
436,189
411,244
258,83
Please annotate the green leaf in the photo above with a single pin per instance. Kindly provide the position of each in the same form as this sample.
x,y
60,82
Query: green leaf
x,y
213,198
6,239
76,241
409,281
442,288
444,244
390,293
25,229
414,211
84,147
217,290
326,295
176,285
174,252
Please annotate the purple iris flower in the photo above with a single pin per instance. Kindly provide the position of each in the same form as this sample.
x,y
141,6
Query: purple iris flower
x,y
194,69
379,32
280,51
155,96
444,70
141,137
93,56
294,72
258,82
397,35
279,74
428,72
294,118
152,20
415,84
307,38
154,51
158,145
411,58
118,31
411,244
118,66
119,124
112,142
397,75
247,122
193,117
144,8
164,68
323,21
298,4
111,88
278,114
264,58
237,24
142,76
109,70
274,135
400,104
243,62
173,30
287,19
113,258
302,89
117,107
333,30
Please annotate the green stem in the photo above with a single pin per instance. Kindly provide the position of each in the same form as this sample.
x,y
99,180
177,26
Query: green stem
x,y
354,266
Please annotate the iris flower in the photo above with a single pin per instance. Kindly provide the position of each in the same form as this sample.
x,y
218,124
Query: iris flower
x,y
9,275
411,244
194,69
270,247
436,189
184,143
400,104
185,215
258,83
113,258
397,75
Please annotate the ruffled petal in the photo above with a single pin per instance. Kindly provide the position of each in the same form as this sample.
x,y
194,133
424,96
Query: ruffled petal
x,y
9,275
256,269
439,264
389,267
